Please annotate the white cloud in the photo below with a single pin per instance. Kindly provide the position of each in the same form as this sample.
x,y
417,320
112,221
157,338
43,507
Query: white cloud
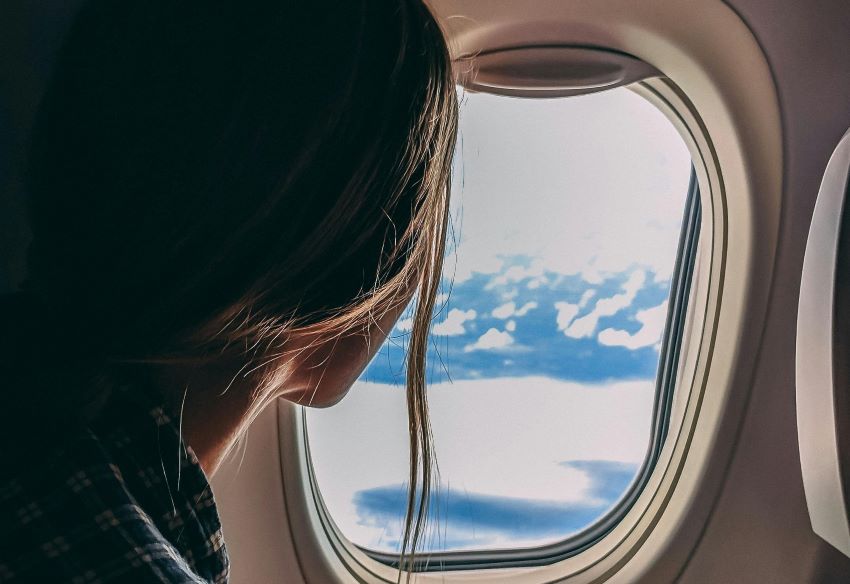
x,y
582,327
586,297
517,273
652,327
586,325
634,283
510,309
453,325
492,339
510,294
505,310
461,267
592,275
405,325
510,326
528,306
566,313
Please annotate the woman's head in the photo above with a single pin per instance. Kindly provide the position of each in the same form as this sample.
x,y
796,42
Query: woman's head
x,y
239,176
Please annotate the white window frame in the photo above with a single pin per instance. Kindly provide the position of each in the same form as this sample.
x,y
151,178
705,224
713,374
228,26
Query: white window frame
x,y
735,143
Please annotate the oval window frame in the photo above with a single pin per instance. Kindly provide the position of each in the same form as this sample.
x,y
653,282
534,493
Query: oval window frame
x,y
727,314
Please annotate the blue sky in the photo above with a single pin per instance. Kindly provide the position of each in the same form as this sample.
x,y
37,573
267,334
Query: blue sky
x,y
566,216
537,346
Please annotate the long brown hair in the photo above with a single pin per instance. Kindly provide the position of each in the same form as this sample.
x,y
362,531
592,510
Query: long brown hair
x,y
210,177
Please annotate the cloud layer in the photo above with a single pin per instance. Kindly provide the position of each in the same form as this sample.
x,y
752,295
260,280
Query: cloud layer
x,y
498,442
464,520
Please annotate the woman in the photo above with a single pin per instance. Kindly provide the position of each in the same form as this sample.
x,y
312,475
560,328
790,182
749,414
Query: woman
x,y
231,202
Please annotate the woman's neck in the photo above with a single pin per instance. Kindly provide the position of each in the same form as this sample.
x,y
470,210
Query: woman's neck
x,y
213,402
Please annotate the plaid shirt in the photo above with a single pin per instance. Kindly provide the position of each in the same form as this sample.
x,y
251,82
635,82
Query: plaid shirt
x,y
117,502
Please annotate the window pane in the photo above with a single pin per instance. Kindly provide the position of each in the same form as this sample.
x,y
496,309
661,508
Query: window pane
x,y
566,217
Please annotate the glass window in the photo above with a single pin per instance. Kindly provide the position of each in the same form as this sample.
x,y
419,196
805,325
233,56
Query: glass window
x,y
567,215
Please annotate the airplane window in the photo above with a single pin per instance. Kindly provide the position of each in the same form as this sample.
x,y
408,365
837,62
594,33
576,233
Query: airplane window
x,y
547,340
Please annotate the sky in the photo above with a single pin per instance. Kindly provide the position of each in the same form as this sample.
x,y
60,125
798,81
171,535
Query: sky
x,y
566,215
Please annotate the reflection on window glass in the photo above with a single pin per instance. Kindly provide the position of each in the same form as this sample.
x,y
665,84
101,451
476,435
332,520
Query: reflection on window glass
x,y
566,217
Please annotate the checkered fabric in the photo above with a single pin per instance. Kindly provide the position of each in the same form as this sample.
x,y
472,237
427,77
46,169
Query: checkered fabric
x,y
122,500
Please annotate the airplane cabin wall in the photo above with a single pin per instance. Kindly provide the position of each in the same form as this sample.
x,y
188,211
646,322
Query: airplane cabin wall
x,y
759,528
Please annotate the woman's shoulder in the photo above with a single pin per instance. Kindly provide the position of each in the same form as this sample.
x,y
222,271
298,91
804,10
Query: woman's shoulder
x,y
121,499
